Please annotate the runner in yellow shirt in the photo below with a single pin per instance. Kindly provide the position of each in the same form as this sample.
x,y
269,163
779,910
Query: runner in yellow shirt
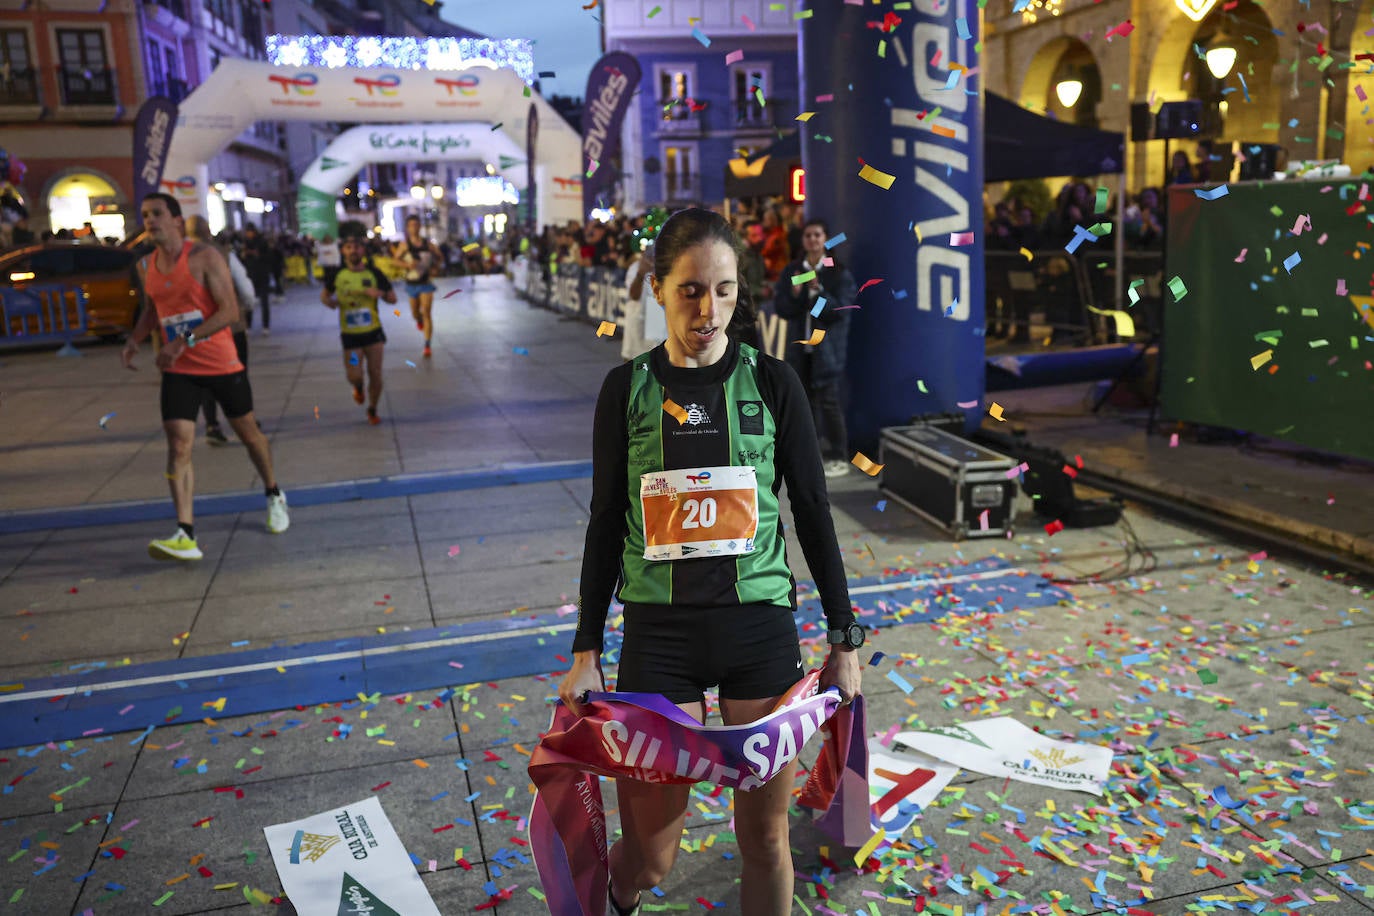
x,y
355,291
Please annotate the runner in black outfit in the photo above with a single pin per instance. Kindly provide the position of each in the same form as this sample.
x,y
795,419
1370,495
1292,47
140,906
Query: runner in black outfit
x,y
691,444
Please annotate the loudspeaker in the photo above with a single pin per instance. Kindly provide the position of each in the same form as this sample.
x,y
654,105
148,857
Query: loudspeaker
x,y
1142,123
1179,120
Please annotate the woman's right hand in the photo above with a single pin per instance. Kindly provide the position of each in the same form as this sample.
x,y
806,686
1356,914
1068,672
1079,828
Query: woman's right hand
x,y
584,676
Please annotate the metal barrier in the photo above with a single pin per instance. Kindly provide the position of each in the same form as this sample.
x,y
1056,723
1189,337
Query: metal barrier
x,y
42,313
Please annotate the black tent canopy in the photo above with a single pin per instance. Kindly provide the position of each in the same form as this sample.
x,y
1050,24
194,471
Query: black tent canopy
x,y
1017,143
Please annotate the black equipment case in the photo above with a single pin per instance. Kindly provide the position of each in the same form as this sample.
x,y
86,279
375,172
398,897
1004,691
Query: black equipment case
x,y
947,480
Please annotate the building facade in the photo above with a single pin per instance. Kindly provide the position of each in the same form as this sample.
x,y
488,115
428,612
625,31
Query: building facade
x,y
72,78
73,74
694,112
71,82
1290,81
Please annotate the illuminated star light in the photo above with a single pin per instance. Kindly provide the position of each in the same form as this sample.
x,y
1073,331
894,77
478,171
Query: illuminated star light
x,y
335,57
402,53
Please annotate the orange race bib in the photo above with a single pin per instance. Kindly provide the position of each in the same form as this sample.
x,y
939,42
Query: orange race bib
x,y
710,512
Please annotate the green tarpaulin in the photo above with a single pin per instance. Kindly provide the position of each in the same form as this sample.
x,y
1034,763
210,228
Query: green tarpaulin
x,y
1275,333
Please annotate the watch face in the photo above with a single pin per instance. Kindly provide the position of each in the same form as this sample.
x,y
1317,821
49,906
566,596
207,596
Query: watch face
x,y
854,635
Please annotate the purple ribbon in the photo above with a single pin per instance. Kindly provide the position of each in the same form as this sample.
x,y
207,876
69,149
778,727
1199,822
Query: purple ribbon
x,y
645,737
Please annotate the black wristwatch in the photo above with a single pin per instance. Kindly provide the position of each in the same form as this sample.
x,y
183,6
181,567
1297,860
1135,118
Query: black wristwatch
x,y
850,636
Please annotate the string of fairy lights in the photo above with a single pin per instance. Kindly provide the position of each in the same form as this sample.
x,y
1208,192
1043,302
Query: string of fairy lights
x,y
401,52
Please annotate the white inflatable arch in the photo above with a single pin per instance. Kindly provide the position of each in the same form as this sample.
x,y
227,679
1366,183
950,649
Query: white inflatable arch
x,y
240,92
320,185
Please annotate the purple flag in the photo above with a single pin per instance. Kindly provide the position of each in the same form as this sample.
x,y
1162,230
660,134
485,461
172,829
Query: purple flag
x,y
612,82
643,736
531,139
152,136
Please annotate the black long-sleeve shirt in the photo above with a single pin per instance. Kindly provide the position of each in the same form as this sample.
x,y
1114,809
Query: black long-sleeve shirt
x,y
796,458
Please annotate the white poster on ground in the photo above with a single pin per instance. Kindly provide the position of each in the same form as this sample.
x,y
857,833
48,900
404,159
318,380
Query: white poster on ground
x,y
1004,747
900,784
347,861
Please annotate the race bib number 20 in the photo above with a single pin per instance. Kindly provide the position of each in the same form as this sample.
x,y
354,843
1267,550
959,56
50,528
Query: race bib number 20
x,y
705,512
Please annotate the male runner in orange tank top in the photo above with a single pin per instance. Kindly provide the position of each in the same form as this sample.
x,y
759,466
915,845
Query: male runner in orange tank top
x,y
189,298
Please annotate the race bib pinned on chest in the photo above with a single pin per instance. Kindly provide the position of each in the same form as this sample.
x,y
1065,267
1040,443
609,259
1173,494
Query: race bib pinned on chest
x,y
358,318
706,512
175,326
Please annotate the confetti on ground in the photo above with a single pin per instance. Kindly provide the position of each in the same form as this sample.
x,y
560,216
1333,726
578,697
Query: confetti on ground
x,y
606,329
106,419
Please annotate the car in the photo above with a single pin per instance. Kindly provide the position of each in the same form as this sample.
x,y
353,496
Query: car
x,y
105,273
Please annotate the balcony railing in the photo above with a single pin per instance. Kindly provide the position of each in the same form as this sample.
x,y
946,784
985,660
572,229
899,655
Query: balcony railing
x,y
748,113
86,87
19,87
175,7
680,116
681,186
174,89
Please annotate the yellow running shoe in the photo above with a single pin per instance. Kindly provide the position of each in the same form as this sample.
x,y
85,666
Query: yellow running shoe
x,y
180,546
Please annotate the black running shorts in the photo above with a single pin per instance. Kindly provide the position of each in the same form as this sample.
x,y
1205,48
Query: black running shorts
x,y
183,394
750,651
366,339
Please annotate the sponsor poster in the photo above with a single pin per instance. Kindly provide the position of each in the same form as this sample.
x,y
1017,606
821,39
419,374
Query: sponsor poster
x,y
1004,747
901,783
347,861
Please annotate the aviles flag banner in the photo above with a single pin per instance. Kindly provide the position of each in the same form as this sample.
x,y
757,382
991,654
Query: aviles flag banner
x,y
152,136
645,737
610,86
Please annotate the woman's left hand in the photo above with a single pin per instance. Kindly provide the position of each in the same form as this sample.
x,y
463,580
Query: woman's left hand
x,y
842,670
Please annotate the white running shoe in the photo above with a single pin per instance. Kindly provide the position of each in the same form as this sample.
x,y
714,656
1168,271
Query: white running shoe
x,y
836,468
278,519
180,546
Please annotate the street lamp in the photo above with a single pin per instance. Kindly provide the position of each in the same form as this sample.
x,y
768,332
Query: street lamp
x,y
417,192
1220,59
1068,92
437,192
